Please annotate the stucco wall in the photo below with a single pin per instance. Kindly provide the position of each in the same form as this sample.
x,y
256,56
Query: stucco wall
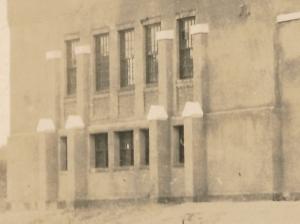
x,y
240,152
233,35
4,73
22,167
126,184
240,85
288,64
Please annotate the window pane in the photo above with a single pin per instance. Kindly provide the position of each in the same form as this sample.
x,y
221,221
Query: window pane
x,y
101,150
185,47
126,148
151,53
102,61
180,148
127,57
63,154
145,136
71,66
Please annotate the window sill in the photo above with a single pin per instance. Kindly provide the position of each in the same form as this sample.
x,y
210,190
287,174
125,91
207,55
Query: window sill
x,y
124,168
99,170
101,94
184,82
151,87
70,98
144,167
179,165
127,89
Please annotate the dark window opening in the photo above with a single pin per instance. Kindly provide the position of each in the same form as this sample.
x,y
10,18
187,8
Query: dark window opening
x,y
63,154
126,148
145,149
101,150
71,66
180,144
127,58
151,53
185,48
102,61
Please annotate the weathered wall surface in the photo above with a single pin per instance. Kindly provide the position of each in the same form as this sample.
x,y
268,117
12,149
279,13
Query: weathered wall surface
x,y
235,34
3,173
22,167
240,152
4,73
241,88
126,184
289,70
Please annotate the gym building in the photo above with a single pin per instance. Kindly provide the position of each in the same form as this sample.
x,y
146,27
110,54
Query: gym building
x,y
165,100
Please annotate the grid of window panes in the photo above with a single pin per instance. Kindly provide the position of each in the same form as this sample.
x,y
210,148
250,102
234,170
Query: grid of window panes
x,y
63,154
151,53
101,150
71,66
127,57
146,147
102,61
180,130
126,148
185,47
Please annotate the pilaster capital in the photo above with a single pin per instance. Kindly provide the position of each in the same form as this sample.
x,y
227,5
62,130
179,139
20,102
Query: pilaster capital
x,y
45,125
192,109
55,54
74,122
288,17
157,113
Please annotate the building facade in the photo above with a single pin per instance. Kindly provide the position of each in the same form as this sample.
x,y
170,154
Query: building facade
x,y
159,100
4,73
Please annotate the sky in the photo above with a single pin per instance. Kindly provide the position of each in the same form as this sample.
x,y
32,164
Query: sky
x,y
4,74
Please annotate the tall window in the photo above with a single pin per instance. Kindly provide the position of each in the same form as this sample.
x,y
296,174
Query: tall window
x,y
71,66
185,48
101,150
126,148
102,61
127,57
180,144
151,53
63,154
145,147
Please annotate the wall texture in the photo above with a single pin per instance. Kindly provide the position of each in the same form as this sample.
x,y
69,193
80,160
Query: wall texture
x,y
249,90
4,73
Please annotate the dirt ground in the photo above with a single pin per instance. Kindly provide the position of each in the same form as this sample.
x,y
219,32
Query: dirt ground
x,y
150,213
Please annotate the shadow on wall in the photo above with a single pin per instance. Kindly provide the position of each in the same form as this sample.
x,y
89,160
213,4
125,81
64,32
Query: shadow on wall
x,y
3,172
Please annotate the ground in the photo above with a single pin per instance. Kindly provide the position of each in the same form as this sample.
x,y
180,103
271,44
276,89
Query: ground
x,y
191,213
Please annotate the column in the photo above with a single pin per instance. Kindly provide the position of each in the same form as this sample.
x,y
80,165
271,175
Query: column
x,y
160,153
165,68
114,77
77,158
199,35
195,164
113,150
137,148
83,69
279,190
53,74
139,74
194,130
48,163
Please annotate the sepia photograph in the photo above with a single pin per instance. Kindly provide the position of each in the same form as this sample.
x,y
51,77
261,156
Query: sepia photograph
x,y
150,112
